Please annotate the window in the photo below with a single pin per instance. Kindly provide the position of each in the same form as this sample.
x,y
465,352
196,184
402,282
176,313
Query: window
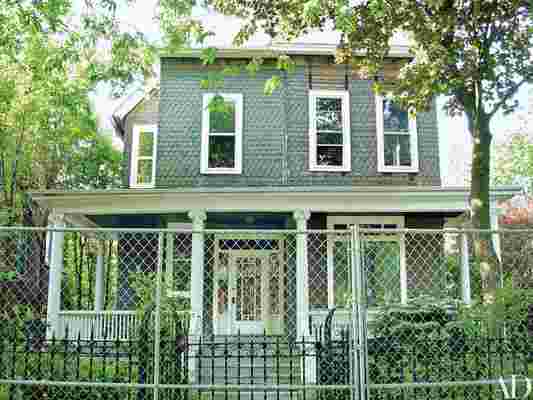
x,y
383,257
329,131
222,134
143,154
397,138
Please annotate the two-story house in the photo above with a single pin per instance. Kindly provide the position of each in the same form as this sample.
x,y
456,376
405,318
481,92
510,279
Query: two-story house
x,y
323,152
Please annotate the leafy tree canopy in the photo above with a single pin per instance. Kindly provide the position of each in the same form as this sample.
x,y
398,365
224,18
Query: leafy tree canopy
x,y
53,55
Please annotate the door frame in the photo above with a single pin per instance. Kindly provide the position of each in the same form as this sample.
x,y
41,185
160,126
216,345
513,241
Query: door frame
x,y
228,324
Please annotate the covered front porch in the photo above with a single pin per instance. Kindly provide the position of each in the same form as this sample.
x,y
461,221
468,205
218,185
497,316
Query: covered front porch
x,y
237,262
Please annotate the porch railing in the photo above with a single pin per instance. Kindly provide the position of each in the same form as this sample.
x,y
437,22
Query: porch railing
x,y
109,325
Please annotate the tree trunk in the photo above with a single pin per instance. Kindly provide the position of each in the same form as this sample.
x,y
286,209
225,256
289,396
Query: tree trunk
x,y
480,205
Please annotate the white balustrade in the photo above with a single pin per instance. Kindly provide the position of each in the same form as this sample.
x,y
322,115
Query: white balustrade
x,y
100,325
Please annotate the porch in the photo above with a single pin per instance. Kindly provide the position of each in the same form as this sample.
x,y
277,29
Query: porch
x,y
242,282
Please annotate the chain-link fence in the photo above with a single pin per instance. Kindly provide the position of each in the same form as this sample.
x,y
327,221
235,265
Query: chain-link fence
x,y
179,314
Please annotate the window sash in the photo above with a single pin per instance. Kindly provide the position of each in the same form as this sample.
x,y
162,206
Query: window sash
x,y
314,131
237,99
136,159
381,132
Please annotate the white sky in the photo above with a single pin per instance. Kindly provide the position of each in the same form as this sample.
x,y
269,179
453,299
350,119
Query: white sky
x,y
455,142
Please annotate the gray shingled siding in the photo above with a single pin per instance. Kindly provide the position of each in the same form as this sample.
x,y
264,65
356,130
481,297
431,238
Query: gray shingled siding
x,y
266,119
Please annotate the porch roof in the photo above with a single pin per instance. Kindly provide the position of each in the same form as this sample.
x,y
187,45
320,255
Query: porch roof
x,y
363,199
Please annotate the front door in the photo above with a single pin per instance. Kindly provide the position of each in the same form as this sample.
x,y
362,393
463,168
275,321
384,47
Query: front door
x,y
248,292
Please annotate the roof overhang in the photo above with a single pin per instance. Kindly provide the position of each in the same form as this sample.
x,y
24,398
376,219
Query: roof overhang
x,y
291,49
268,199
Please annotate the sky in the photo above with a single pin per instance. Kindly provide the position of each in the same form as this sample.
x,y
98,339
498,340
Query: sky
x,y
455,151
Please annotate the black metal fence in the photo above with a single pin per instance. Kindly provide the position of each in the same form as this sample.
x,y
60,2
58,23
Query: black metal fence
x,y
260,360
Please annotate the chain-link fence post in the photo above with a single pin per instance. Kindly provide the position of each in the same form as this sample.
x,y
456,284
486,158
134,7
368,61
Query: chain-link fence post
x,y
157,322
358,318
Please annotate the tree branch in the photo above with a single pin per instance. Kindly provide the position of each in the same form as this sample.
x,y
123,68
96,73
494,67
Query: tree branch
x,y
507,96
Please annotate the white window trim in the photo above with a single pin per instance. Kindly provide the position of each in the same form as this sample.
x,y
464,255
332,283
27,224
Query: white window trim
x,y
346,135
204,163
413,133
135,158
398,220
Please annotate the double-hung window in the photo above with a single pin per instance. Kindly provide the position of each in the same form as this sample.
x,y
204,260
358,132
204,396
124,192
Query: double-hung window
x,y
222,134
143,156
329,131
397,138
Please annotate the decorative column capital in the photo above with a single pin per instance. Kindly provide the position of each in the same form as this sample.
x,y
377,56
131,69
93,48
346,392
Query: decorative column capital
x,y
301,215
197,217
56,219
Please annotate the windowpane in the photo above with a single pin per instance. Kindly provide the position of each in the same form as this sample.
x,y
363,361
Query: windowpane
x,y
221,115
329,155
329,114
329,137
382,262
397,150
221,152
394,119
144,172
146,144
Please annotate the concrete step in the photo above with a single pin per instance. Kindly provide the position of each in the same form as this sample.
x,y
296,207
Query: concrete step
x,y
256,395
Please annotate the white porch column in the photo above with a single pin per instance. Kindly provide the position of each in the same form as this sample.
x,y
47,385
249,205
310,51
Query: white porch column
x,y
494,225
496,241
465,269
302,274
57,221
99,278
198,218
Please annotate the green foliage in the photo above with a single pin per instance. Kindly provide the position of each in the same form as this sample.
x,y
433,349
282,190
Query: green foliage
x,y
172,309
52,58
511,304
208,55
513,160
272,84
93,164
6,276
420,317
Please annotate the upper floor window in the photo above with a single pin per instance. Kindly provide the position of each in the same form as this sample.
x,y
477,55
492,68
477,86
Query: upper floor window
x,y
329,131
397,138
222,134
143,155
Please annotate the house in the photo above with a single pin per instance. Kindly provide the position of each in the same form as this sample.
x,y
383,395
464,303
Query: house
x,y
323,152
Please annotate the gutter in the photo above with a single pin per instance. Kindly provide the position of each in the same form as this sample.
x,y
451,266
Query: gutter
x,y
499,191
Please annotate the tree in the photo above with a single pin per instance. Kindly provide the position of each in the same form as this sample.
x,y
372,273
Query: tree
x,y
54,54
475,52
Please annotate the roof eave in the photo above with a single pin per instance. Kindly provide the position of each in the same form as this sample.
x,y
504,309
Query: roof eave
x,y
275,199
397,51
